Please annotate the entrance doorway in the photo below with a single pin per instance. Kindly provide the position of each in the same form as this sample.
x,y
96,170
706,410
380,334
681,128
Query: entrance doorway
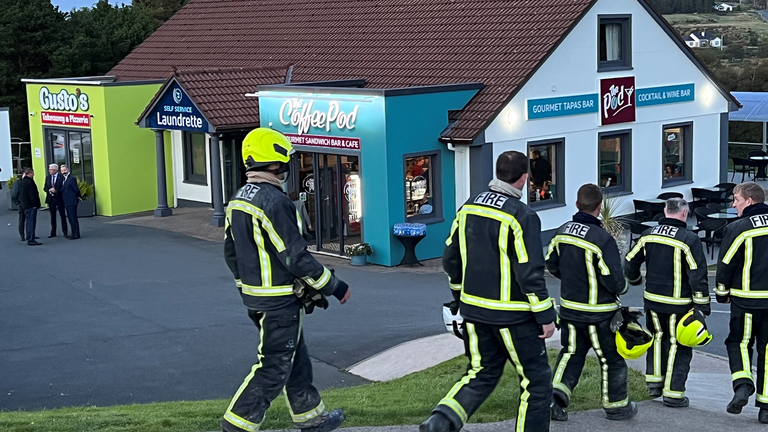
x,y
330,185
234,171
73,147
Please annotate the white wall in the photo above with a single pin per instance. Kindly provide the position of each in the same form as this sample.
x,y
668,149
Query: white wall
x,y
6,161
572,70
188,191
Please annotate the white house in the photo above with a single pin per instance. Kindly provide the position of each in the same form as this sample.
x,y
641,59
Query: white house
x,y
703,39
723,7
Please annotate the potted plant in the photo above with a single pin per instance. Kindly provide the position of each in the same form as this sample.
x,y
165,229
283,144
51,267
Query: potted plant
x,y
87,207
9,188
613,223
359,253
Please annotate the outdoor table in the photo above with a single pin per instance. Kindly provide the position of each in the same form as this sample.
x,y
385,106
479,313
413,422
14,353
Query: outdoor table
x,y
731,211
656,204
721,215
655,223
761,162
409,243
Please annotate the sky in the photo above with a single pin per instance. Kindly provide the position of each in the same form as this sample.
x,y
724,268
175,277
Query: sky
x,y
67,5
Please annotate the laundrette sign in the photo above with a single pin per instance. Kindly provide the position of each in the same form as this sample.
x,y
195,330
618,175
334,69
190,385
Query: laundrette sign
x,y
588,103
176,111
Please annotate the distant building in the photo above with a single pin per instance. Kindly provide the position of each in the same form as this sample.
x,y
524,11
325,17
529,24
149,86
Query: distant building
x,y
703,39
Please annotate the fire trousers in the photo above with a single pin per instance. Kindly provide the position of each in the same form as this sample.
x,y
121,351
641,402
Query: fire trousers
x,y
489,349
577,339
668,362
284,365
747,327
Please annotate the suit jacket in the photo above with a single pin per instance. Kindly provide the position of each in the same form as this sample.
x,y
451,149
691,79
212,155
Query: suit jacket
x,y
28,195
70,191
55,198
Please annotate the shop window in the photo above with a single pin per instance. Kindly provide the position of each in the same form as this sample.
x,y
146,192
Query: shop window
x,y
546,176
676,149
422,187
195,159
615,43
614,161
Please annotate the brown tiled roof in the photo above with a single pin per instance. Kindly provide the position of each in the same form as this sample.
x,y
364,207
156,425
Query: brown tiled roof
x,y
390,43
220,93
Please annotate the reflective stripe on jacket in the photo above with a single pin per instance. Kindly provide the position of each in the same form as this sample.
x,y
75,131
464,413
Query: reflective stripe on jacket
x,y
676,268
742,266
493,258
586,260
265,251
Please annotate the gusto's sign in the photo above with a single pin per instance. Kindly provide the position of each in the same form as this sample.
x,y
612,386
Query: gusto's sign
x,y
298,113
617,96
63,100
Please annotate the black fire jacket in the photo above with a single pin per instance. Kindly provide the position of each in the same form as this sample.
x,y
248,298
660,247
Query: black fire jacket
x,y
265,251
494,261
742,267
586,260
676,268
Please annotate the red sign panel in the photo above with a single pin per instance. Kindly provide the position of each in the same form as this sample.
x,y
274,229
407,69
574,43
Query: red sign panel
x,y
65,119
325,141
617,100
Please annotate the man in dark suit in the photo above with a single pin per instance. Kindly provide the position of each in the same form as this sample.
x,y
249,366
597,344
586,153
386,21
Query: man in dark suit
x,y
29,201
71,194
53,188
15,190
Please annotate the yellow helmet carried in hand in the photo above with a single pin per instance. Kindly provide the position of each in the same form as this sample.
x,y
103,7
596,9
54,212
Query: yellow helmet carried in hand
x,y
632,340
692,331
264,146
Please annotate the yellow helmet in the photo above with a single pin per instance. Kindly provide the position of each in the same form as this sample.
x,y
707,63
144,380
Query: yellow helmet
x,y
632,340
692,331
264,146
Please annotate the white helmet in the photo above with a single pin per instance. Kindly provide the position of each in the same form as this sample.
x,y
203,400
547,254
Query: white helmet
x,y
453,323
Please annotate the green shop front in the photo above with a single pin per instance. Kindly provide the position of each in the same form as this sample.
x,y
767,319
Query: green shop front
x,y
367,159
88,124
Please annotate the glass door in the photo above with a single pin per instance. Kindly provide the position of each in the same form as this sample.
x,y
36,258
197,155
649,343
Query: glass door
x,y
74,149
327,195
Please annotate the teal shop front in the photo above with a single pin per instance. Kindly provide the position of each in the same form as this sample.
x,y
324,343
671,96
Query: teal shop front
x,y
367,159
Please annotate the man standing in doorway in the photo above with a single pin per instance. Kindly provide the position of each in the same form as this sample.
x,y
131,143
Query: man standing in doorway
x,y
29,201
71,196
53,197
495,266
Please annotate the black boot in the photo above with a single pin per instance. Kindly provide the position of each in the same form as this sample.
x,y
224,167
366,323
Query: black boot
x,y
624,413
557,410
333,420
676,402
762,416
437,422
740,398
654,392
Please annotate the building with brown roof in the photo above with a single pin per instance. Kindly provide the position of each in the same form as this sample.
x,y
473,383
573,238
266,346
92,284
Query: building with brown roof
x,y
424,96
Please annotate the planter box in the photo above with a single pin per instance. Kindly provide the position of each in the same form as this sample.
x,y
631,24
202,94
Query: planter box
x,y
86,208
358,260
11,205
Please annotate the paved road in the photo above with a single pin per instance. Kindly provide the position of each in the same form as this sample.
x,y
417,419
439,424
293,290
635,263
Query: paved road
x,y
132,315
763,14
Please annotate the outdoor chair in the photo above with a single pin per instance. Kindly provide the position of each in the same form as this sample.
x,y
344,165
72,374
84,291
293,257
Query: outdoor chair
x,y
643,210
667,195
757,153
635,229
702,197
728,193
715,206
658,217
701,214
743,166
713,233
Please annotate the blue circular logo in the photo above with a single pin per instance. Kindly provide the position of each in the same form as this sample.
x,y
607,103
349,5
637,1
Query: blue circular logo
x,y
177,95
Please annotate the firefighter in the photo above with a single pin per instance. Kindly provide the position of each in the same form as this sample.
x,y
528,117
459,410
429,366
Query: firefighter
x,y
586,259
266,253
742,281
495,265
675,282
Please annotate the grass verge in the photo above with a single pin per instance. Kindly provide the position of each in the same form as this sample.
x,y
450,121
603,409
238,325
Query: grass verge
x,y
407,400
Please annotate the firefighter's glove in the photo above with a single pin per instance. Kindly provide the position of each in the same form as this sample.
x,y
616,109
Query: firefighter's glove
x,y
308,296
701,310
636,282
453,306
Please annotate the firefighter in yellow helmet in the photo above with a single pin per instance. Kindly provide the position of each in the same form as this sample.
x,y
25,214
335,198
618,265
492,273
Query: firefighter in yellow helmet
x,y
676,282
267,255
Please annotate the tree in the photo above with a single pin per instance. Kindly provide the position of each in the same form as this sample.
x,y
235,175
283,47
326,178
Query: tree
x,y
31,32
734,51
99,37
159,11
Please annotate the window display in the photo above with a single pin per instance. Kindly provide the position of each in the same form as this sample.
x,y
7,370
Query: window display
x,y
418,181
